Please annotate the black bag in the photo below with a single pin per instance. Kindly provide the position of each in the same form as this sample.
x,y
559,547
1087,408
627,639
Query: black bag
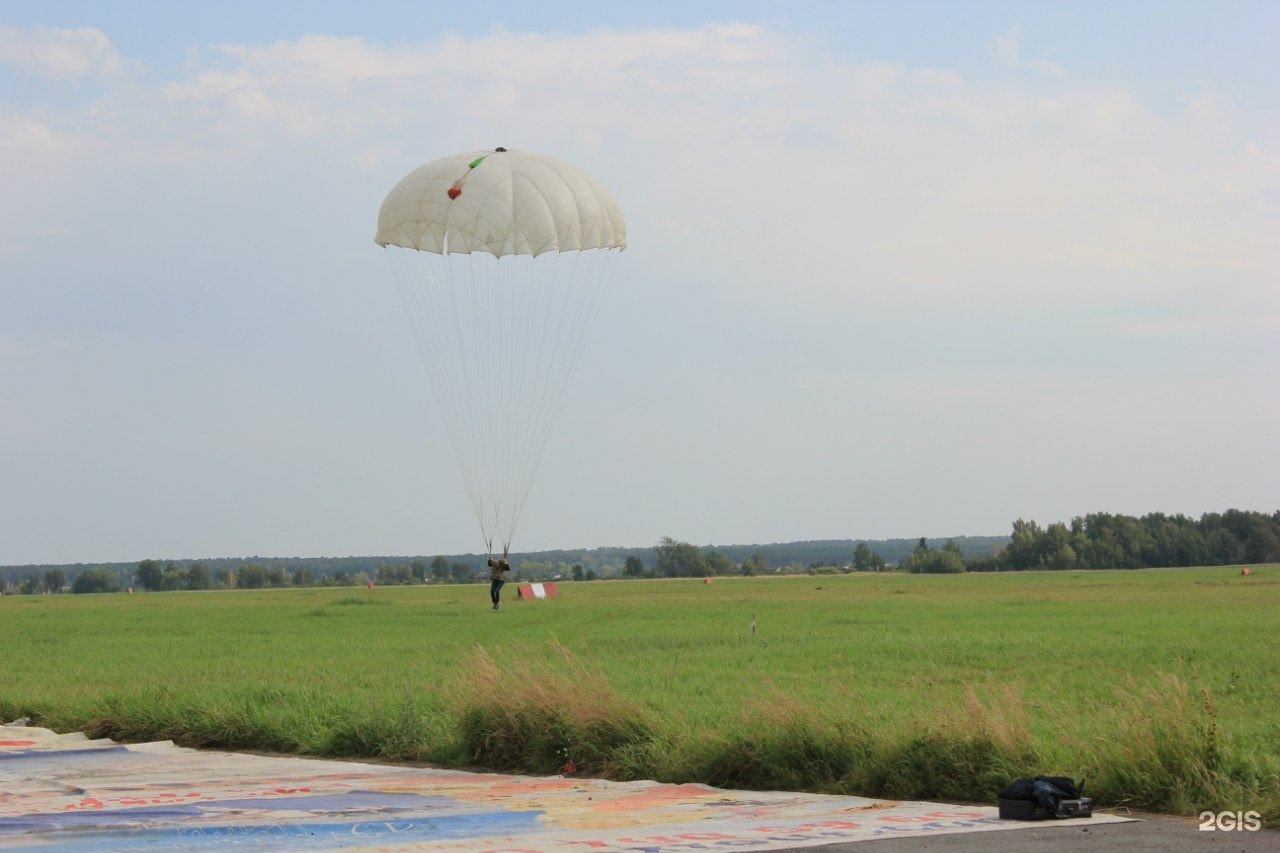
x,y
1045,791
1044,796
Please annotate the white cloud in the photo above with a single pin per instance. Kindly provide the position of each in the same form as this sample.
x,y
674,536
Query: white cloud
x,y
915,175
38,169
1008,50
1008,46
62,54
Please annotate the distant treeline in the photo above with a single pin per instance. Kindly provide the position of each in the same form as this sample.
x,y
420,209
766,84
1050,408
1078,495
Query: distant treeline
x,y
1096,541
1106,541
605,562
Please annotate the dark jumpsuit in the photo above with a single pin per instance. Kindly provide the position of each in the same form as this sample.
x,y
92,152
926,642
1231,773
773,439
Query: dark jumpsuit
x,y
497,577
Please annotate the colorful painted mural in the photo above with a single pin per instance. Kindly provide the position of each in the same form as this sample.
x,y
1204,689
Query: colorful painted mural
x,y
69,794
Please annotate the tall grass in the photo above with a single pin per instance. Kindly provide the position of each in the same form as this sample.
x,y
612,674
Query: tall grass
x,y
1157,687
547,715
1166,752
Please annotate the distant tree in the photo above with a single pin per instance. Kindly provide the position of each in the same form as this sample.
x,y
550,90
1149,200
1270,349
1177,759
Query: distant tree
x,y
276,577
756,564
533,569
304,577
461,572
29,585
1137,546
440,569
591,575
1261,537
198,576
862,557
679,560
1224,547
717,563
419,570
95,580
983,563
1025,547
633,567
945,561
576,572
150,575
251,576
1057,550
389,574
1190,547
54,580
172,577
867,560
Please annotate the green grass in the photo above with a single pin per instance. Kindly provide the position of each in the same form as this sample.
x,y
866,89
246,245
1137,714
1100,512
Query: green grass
x,y
1161,687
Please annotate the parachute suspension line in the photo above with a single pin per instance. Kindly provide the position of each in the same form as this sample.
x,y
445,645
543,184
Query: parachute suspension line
x,y
593,284
484,340
451,338
504,310
428,292
411,280
553,291
500,339
530,293
516,285
499,345
511,290
469,307
572,303
469,327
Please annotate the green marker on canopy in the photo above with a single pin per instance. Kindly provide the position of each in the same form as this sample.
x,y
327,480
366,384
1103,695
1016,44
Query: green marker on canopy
x,y
456,190
479,160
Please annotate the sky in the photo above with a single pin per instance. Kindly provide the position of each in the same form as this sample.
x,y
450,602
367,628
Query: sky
x,y
894,269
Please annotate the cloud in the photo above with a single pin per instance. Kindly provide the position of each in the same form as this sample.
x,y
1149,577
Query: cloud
x,y
745,151
61,54
1008,50
929,183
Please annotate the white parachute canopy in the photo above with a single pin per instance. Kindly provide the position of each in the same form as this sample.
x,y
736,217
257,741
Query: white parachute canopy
x,y
501,258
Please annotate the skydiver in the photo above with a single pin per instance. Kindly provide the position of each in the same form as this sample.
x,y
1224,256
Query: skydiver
x,y
497,576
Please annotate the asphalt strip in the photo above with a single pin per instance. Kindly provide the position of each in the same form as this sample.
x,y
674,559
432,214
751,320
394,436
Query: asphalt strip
x,y
66,793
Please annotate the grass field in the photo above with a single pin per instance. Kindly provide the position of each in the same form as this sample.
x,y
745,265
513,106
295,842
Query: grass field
x,y
1160,687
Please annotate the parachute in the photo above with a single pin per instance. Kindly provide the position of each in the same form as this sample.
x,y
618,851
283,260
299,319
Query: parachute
x,y
500,259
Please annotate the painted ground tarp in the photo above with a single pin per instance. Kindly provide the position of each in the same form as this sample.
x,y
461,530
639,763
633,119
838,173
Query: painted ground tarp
x,y
74,795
